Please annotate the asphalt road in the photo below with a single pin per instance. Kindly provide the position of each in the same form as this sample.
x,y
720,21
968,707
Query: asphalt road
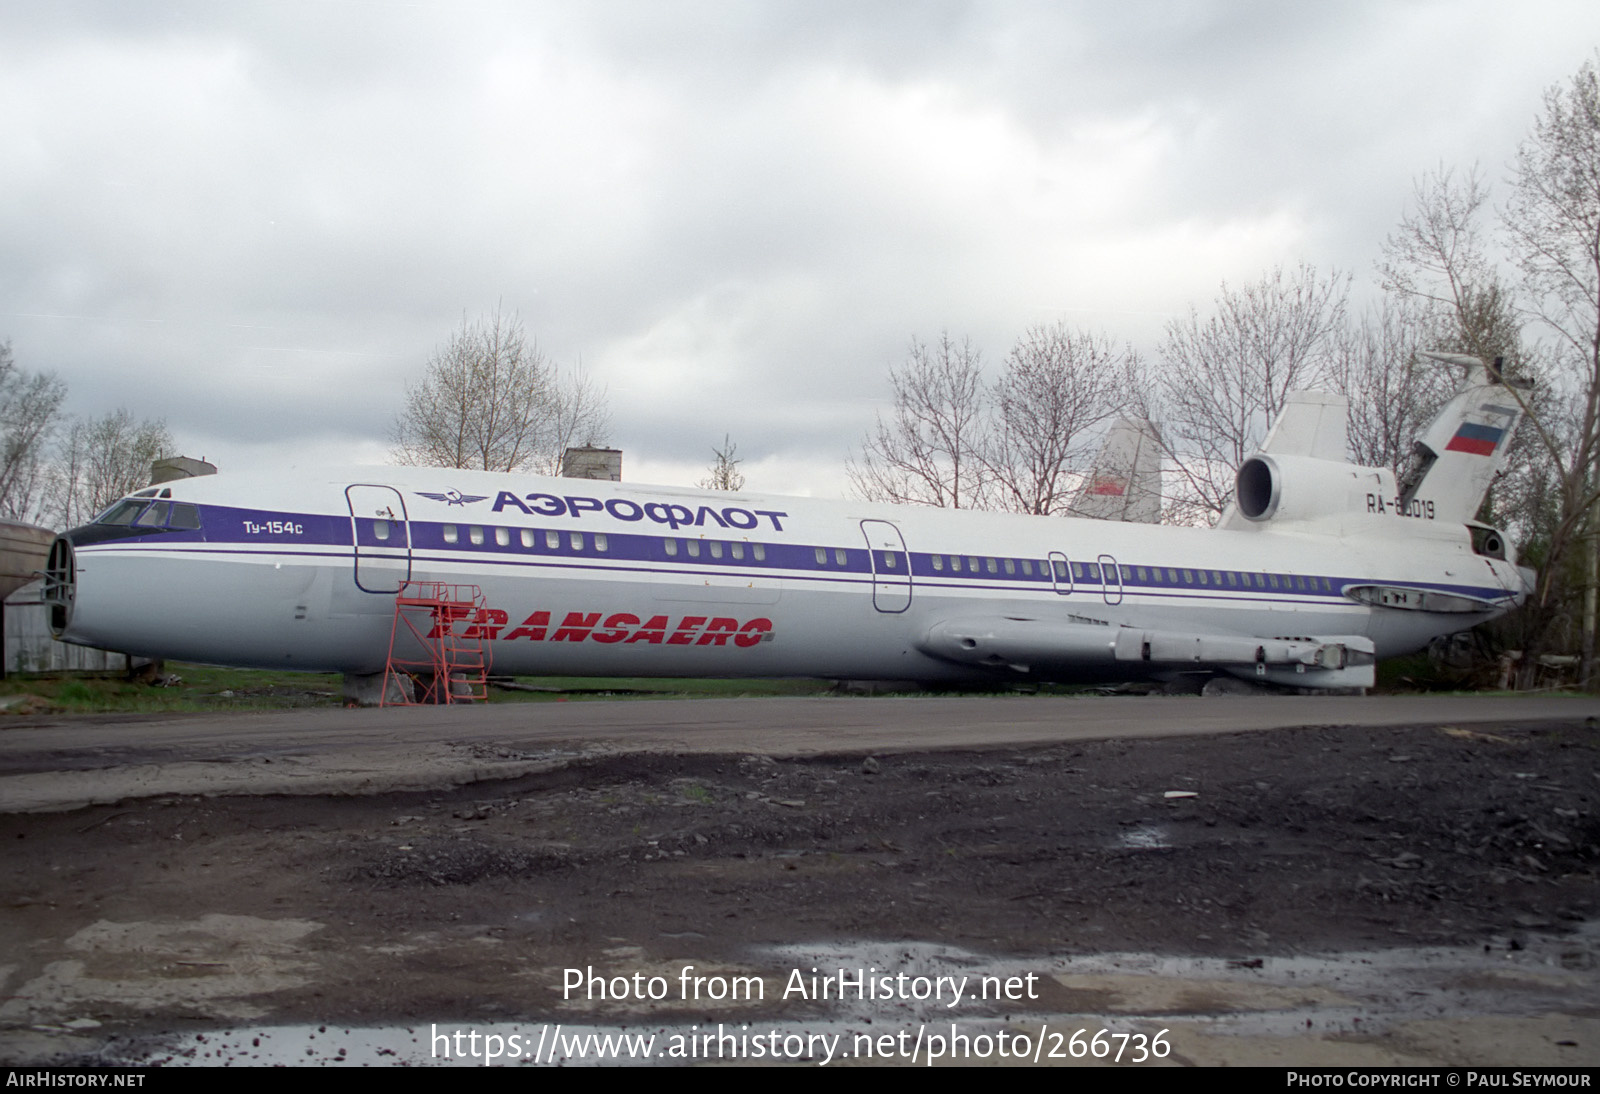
x,y
57,762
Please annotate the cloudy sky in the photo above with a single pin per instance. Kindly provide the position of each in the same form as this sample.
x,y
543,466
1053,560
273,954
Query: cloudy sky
x,y
259,218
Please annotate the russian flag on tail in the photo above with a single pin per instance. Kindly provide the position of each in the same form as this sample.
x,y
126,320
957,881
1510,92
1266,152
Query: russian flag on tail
x,y
1476,438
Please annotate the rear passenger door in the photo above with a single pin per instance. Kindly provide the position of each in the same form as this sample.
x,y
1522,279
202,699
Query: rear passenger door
x,y
891,566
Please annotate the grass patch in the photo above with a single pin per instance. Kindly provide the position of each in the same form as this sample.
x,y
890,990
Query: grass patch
x,y
214,688
197,688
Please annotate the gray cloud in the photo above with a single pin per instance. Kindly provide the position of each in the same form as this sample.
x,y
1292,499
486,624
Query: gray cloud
x,y
258,219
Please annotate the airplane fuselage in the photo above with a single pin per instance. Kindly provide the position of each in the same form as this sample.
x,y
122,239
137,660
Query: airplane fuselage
x,y
598,578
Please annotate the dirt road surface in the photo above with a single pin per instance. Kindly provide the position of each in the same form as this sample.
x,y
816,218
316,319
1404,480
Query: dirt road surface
x,y
1206,881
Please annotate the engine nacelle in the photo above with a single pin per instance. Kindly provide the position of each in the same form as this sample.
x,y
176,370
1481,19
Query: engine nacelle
x,y
1273,488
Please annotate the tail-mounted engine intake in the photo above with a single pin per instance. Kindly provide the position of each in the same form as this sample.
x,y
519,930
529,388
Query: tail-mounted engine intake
x,y
1285,488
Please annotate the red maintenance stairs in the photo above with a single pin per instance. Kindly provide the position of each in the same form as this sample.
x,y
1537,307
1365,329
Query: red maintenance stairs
x,y
436,649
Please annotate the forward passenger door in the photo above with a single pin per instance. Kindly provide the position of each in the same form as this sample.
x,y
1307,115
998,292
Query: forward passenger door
x,y
382,537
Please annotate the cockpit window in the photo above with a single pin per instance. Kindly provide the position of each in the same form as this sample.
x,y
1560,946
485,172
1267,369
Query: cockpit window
x,y
159,514
141,514
121,513
154,517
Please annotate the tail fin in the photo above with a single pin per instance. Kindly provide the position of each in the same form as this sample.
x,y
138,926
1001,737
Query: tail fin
x,y
1311,423
1455,461
1124,483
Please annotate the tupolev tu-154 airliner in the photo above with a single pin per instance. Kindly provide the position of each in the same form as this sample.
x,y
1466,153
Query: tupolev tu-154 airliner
x,y
1317,568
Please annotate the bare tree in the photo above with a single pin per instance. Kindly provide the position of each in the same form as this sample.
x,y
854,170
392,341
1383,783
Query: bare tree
x,y
725,474
491,401
1059,388
1552,224
30,410
103,459
1225,379
578,416
927,452
1437,261
1394,393
1445,293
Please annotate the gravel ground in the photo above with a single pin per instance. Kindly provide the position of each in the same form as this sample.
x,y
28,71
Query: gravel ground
x,y
131,929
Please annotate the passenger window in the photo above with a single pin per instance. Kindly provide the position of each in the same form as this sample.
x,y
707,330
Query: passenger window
x,y
737,549
716,548
475,533
502,537
1216,578
449,531
600,541
991,565
1233,579
760,551
822,556
888,560
1027,568
1272,579
1011,566
1077,570
840,557
527,537
1188,577
671,546
576,540
1203,580
938,561
694,548
972,564
380,529
1140,571
1061,570
552,539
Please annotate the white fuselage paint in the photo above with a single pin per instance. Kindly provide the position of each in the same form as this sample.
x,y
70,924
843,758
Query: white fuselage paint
x,y
288,571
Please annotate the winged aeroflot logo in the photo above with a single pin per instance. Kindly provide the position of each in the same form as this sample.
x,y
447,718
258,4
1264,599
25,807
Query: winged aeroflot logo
x,y
451,497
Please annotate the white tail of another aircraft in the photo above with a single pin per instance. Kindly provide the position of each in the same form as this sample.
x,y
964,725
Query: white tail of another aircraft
x,y
1125,480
